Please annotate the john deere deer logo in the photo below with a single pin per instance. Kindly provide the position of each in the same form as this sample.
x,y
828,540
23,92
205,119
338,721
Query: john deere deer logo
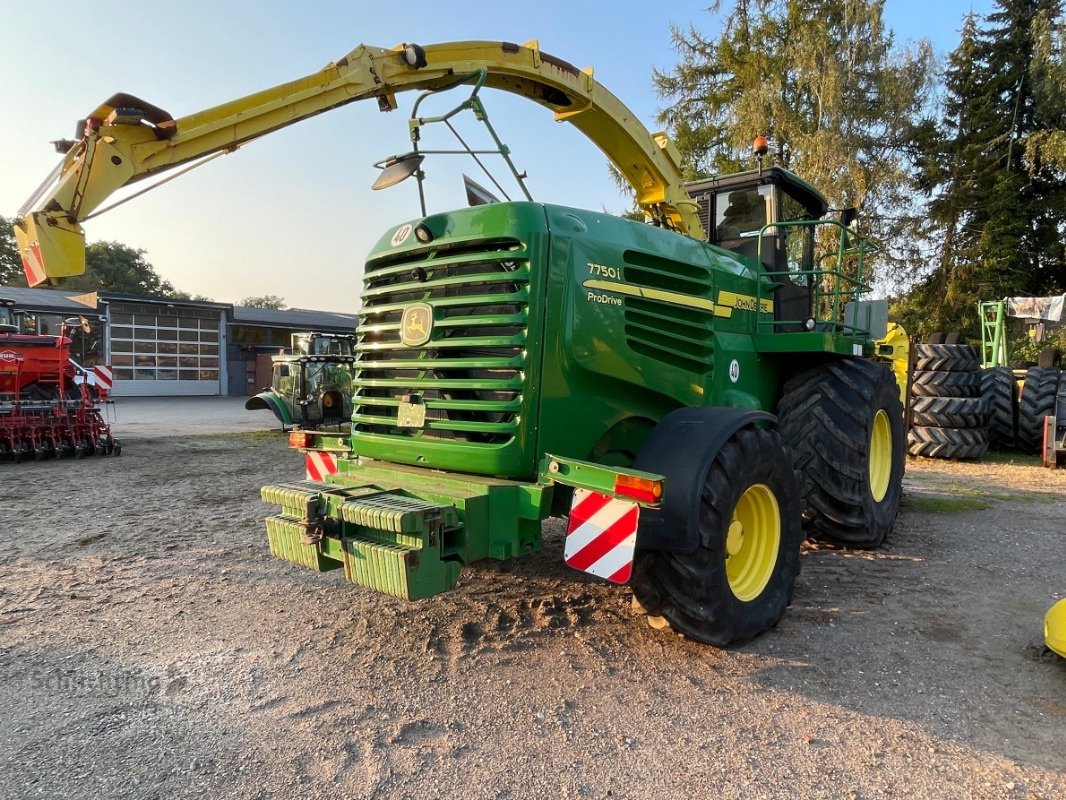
x,y
416,325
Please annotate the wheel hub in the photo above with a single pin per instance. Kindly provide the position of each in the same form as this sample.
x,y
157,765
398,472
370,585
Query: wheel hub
x,y
735,538
880,455
752,542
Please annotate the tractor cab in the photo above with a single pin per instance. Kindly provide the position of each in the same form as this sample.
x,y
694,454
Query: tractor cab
x,y
772,217
322,344
311,387
7,316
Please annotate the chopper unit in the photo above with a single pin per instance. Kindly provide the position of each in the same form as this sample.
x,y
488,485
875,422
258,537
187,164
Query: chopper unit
x,y
692,394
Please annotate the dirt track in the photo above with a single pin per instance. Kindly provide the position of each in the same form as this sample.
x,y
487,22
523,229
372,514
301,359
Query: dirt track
x,y
151,647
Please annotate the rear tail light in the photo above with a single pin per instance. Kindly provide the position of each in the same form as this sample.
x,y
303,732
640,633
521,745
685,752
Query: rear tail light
x,y
299,439
645,490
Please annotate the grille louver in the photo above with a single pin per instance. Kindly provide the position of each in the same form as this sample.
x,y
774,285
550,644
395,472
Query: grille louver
x,y
470,374
681,337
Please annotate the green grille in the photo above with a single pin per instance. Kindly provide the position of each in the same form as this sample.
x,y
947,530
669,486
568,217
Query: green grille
x,y
680,337
469,375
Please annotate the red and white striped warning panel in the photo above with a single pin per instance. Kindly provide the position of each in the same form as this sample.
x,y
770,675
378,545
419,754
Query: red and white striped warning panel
x,y
33,265
320,465
104,378
601,535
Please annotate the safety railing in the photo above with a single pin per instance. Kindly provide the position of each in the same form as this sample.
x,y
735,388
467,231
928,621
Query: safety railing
x,y
829,290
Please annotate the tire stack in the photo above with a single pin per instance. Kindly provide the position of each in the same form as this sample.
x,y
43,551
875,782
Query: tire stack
x,y
950,418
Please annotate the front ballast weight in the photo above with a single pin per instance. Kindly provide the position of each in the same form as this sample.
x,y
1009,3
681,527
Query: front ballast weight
x,y
407,531
714,496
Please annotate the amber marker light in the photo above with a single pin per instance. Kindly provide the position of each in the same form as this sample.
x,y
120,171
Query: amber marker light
x,y
645,490
299,439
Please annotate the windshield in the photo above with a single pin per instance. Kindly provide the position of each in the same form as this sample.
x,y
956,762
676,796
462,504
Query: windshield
x,y
742,213
329,346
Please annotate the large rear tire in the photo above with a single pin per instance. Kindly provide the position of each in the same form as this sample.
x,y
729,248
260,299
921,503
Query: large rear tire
x,y
1036,402
739,580
843,422
997,390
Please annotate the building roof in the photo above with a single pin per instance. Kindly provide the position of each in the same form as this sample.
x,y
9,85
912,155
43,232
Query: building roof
x,y
161,300
294,318
59,301
49,301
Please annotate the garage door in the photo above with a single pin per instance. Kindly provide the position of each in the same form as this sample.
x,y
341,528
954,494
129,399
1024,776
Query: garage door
x,y
156,351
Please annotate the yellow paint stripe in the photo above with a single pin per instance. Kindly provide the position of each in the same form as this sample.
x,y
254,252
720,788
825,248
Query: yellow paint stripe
x,y
674,298
744,301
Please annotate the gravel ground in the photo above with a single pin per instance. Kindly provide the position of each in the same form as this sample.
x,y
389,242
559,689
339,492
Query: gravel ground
x,y
150,647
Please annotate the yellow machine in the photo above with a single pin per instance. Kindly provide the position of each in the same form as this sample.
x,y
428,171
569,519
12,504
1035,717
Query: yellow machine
x,y
126,139
896,347
1055,628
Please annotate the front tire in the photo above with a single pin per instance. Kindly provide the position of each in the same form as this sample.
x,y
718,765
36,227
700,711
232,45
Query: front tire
x,y
843,421
740,579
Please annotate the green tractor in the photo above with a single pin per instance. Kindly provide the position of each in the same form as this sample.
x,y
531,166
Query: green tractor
x,y
310,387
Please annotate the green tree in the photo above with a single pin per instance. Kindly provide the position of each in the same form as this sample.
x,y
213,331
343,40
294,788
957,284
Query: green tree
x,y
1047,145
824,82
116,267
264,301
997,190
10,260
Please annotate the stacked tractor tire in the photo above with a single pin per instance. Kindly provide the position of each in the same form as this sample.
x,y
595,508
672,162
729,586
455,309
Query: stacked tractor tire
x,y
1020,399
949,415
959,410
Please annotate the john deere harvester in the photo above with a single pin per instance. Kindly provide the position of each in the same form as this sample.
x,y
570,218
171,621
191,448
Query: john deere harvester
x,y
693,394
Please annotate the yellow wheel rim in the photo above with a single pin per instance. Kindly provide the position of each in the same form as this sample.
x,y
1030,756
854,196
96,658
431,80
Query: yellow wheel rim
x,y
752,542
880,456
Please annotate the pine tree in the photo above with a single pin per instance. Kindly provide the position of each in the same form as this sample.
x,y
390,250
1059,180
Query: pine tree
x,y
996,197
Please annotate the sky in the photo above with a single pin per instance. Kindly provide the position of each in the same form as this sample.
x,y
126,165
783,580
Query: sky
x,y
292,214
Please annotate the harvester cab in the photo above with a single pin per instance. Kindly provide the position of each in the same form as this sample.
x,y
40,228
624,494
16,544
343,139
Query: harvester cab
x,y
775,218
